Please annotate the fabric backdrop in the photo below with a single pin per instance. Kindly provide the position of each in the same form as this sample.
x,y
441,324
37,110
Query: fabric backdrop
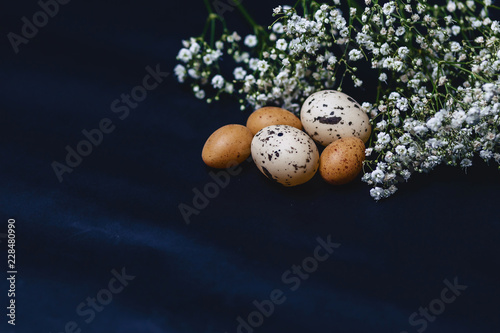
x,y
107,249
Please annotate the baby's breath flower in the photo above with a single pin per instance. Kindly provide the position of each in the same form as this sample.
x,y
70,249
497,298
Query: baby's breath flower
x,y
184,55
218,81
207,59
378,176
200,94
193,73
262,66
389,8
278,28
377,193
451,7
455,47
281,44
194,48
180,72
250,40
253,64
355,55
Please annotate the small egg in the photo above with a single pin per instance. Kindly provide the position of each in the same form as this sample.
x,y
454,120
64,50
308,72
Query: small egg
x,y
342,160
227,146
329,115
285,154
271,115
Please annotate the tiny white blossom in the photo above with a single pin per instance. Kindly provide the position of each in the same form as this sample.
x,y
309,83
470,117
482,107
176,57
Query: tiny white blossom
x,y
193,73
200,94
381,125
281,44
253,64
355,54
486,154
383,138
378,176
184,55
495,27
406,174
377,193
262,66
358,82
400,31
385,49
403,51
401,150
218,81
207,59
278,28
250,41
229,88
332,60
389,8
434,124
451,7
442,80
466,163
194,48
455,47
455,30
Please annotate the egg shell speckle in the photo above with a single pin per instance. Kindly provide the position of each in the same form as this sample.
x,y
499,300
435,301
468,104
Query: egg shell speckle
x,y
330,115
227,146
342,160
285,154
272,115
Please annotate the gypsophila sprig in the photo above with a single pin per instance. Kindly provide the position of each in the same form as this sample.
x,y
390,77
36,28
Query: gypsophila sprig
x,y
437,67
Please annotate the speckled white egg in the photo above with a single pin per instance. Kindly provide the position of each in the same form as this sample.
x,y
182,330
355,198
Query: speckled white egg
x,y
329,115
285,154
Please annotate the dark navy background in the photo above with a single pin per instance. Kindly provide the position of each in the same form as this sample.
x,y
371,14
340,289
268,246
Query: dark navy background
x,y
119,208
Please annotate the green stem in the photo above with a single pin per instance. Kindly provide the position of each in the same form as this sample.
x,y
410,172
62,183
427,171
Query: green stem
x,y
249,18
209,8
212,22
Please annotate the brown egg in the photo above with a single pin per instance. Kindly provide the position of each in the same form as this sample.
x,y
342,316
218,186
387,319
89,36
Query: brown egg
x,y
227,146
272,115
342,160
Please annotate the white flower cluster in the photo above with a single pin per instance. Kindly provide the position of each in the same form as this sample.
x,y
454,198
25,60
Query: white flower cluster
x,y
437,68
452,136
198,60
296,61
442,92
